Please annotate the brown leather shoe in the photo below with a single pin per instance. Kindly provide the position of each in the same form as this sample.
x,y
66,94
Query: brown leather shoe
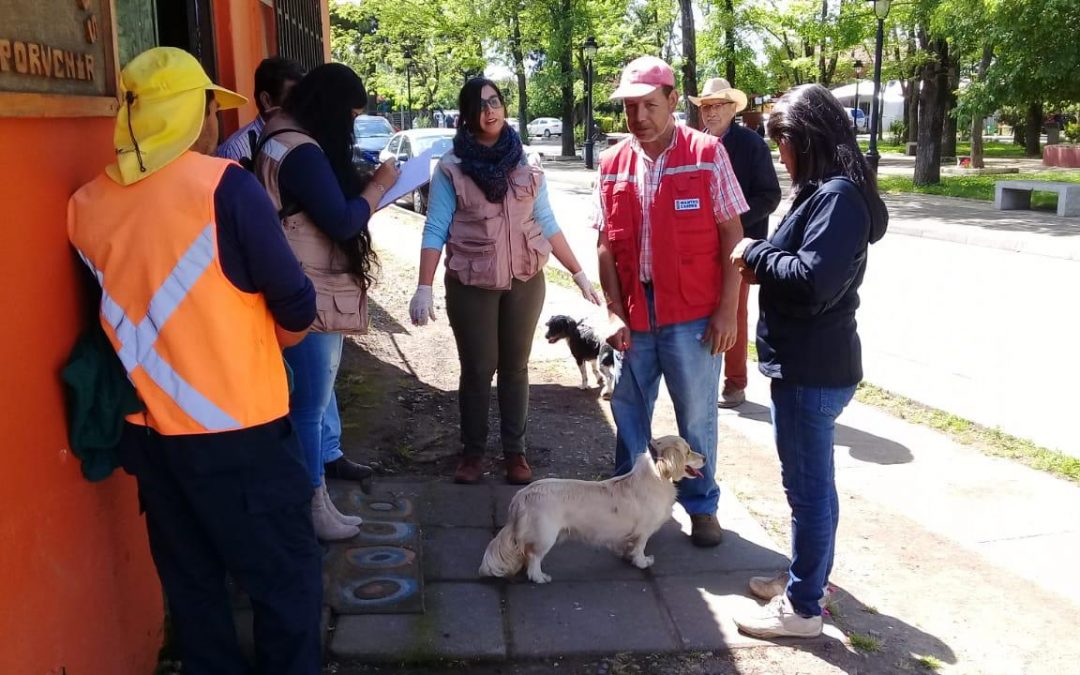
x,y
469,470
706,531
518,471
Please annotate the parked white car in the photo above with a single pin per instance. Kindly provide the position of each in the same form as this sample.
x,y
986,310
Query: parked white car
x,y
512,122
680,117
405,145
546,127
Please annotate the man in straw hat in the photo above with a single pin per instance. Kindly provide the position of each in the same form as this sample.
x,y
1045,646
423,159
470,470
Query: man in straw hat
x,y
200,291
668,216
752,162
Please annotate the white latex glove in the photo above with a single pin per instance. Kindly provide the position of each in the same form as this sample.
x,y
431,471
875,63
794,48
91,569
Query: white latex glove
x,y
587,290
422,306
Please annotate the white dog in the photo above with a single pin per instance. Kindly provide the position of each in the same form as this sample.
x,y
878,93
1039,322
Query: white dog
x,y
620,513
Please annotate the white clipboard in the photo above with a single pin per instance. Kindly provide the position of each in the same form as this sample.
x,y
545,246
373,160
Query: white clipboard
x,y
415,173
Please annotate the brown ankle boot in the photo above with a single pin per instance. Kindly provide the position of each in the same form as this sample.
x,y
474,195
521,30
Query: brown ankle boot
x,y
518,471
469,469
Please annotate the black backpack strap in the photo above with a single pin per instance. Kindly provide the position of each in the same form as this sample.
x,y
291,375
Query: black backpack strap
x,y
287,209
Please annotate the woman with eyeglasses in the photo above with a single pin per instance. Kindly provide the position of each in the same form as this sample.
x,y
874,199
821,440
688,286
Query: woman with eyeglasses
x,y
304,159
489,207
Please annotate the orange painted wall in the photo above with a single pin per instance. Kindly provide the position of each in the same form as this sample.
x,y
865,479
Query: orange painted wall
x,y
78,590
244,31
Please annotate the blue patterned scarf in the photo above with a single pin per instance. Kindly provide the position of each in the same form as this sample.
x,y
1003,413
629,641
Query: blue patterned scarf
x,y
489,167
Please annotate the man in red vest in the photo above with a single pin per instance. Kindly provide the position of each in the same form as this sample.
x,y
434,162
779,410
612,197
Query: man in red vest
x,y
668,216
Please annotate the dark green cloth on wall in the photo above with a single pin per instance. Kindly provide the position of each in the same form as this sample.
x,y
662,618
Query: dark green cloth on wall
x,y
99,395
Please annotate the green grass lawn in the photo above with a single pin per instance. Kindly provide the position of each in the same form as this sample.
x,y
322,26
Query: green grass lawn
x,y
980,187
991,149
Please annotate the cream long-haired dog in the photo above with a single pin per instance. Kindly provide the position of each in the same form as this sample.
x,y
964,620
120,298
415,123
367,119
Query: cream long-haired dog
x,y
620,513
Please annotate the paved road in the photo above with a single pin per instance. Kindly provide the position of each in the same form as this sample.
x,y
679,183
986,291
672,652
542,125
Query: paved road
x,y
964,308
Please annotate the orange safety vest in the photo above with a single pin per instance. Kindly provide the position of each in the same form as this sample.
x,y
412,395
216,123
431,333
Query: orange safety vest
x,y
202,354
686,253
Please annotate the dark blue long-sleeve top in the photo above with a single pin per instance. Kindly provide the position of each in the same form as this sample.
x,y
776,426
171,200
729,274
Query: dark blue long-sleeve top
x,y
254,253
752,163
307,180
810,271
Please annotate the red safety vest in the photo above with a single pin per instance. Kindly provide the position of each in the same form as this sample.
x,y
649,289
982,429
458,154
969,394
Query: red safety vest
x,y
686,252
202,354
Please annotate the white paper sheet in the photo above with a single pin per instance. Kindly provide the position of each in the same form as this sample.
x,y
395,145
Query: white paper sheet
x,y
415,173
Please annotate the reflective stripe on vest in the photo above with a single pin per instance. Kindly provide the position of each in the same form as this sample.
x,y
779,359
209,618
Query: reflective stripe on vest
x,y
136,339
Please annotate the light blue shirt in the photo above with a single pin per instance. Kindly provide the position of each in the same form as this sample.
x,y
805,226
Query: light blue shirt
x,y
442,203
238,146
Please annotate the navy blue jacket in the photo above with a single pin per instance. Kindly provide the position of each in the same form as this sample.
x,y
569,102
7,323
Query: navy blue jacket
x,y
752,162
810,271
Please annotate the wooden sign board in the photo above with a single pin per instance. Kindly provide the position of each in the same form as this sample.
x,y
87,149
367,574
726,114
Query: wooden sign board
x,y
57,57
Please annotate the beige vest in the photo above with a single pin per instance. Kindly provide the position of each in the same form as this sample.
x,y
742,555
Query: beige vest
x,y
340,300
492,244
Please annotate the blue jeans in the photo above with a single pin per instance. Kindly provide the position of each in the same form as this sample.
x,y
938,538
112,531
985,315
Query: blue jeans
x,y
312,405
804,425
692,375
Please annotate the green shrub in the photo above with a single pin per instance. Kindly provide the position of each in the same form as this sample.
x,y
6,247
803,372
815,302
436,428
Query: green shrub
x,y
1072,132
423,122
897,132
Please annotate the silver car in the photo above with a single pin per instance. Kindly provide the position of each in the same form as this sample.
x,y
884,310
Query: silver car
x,y
405,145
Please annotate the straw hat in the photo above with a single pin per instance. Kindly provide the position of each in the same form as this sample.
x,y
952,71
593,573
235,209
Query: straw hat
x,y
162,108
717,90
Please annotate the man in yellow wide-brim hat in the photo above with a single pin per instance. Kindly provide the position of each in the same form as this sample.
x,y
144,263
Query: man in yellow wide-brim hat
x,y
200,291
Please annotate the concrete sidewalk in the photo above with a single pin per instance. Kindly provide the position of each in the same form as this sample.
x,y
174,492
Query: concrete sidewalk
x,y
596,603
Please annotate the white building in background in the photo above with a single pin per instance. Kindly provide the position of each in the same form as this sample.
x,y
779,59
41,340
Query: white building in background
x,y
892,96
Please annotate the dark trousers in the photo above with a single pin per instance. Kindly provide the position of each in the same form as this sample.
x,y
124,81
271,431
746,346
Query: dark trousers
x,y
494,332
239,503
735,358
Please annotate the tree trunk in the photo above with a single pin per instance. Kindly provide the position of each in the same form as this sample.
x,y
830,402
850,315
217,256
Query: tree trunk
x,y
1018,134
689,68
823,79
977,119
911,110
566,68
729,42
935,80
948,135
519,71
1032,129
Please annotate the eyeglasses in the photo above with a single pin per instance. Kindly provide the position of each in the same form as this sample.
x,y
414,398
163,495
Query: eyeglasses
x,y
493,103
715,108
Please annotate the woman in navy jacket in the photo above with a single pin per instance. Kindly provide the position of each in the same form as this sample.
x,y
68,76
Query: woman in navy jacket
x,y
810,271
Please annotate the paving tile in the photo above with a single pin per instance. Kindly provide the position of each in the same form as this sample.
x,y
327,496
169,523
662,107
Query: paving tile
x,y
574,618
575,561
454,553
448,504
746,545
703,607
462,621
503,495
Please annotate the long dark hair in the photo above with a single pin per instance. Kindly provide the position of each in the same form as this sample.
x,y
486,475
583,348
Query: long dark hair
x,y
323,103
469,102
817,129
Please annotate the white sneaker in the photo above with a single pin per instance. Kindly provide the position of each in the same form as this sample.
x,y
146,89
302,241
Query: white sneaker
x,y
767,588
778,619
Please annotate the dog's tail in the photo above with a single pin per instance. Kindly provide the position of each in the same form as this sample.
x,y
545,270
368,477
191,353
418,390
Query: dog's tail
x,y
503,557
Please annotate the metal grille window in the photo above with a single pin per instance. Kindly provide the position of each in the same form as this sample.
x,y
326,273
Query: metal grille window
x,y
299,31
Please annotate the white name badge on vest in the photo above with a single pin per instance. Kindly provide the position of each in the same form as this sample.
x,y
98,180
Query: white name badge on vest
x,y
687,204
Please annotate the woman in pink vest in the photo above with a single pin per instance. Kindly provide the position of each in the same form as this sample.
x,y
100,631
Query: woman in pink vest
x,y
489,207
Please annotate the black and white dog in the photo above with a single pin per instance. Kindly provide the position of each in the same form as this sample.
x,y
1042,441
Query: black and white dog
x,y
587,347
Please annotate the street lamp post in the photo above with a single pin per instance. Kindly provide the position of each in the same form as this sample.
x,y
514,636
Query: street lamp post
x,y
589,48
408,87
858,76
881,9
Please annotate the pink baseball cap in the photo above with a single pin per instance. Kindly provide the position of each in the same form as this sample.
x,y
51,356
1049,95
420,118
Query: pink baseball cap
x,y
641,76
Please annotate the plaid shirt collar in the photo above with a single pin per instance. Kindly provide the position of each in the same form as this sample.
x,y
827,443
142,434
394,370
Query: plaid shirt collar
x,y
663,155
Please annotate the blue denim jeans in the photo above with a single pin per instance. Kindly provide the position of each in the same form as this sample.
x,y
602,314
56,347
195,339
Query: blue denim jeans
x,y
692,376
331,432
312,405
804,425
